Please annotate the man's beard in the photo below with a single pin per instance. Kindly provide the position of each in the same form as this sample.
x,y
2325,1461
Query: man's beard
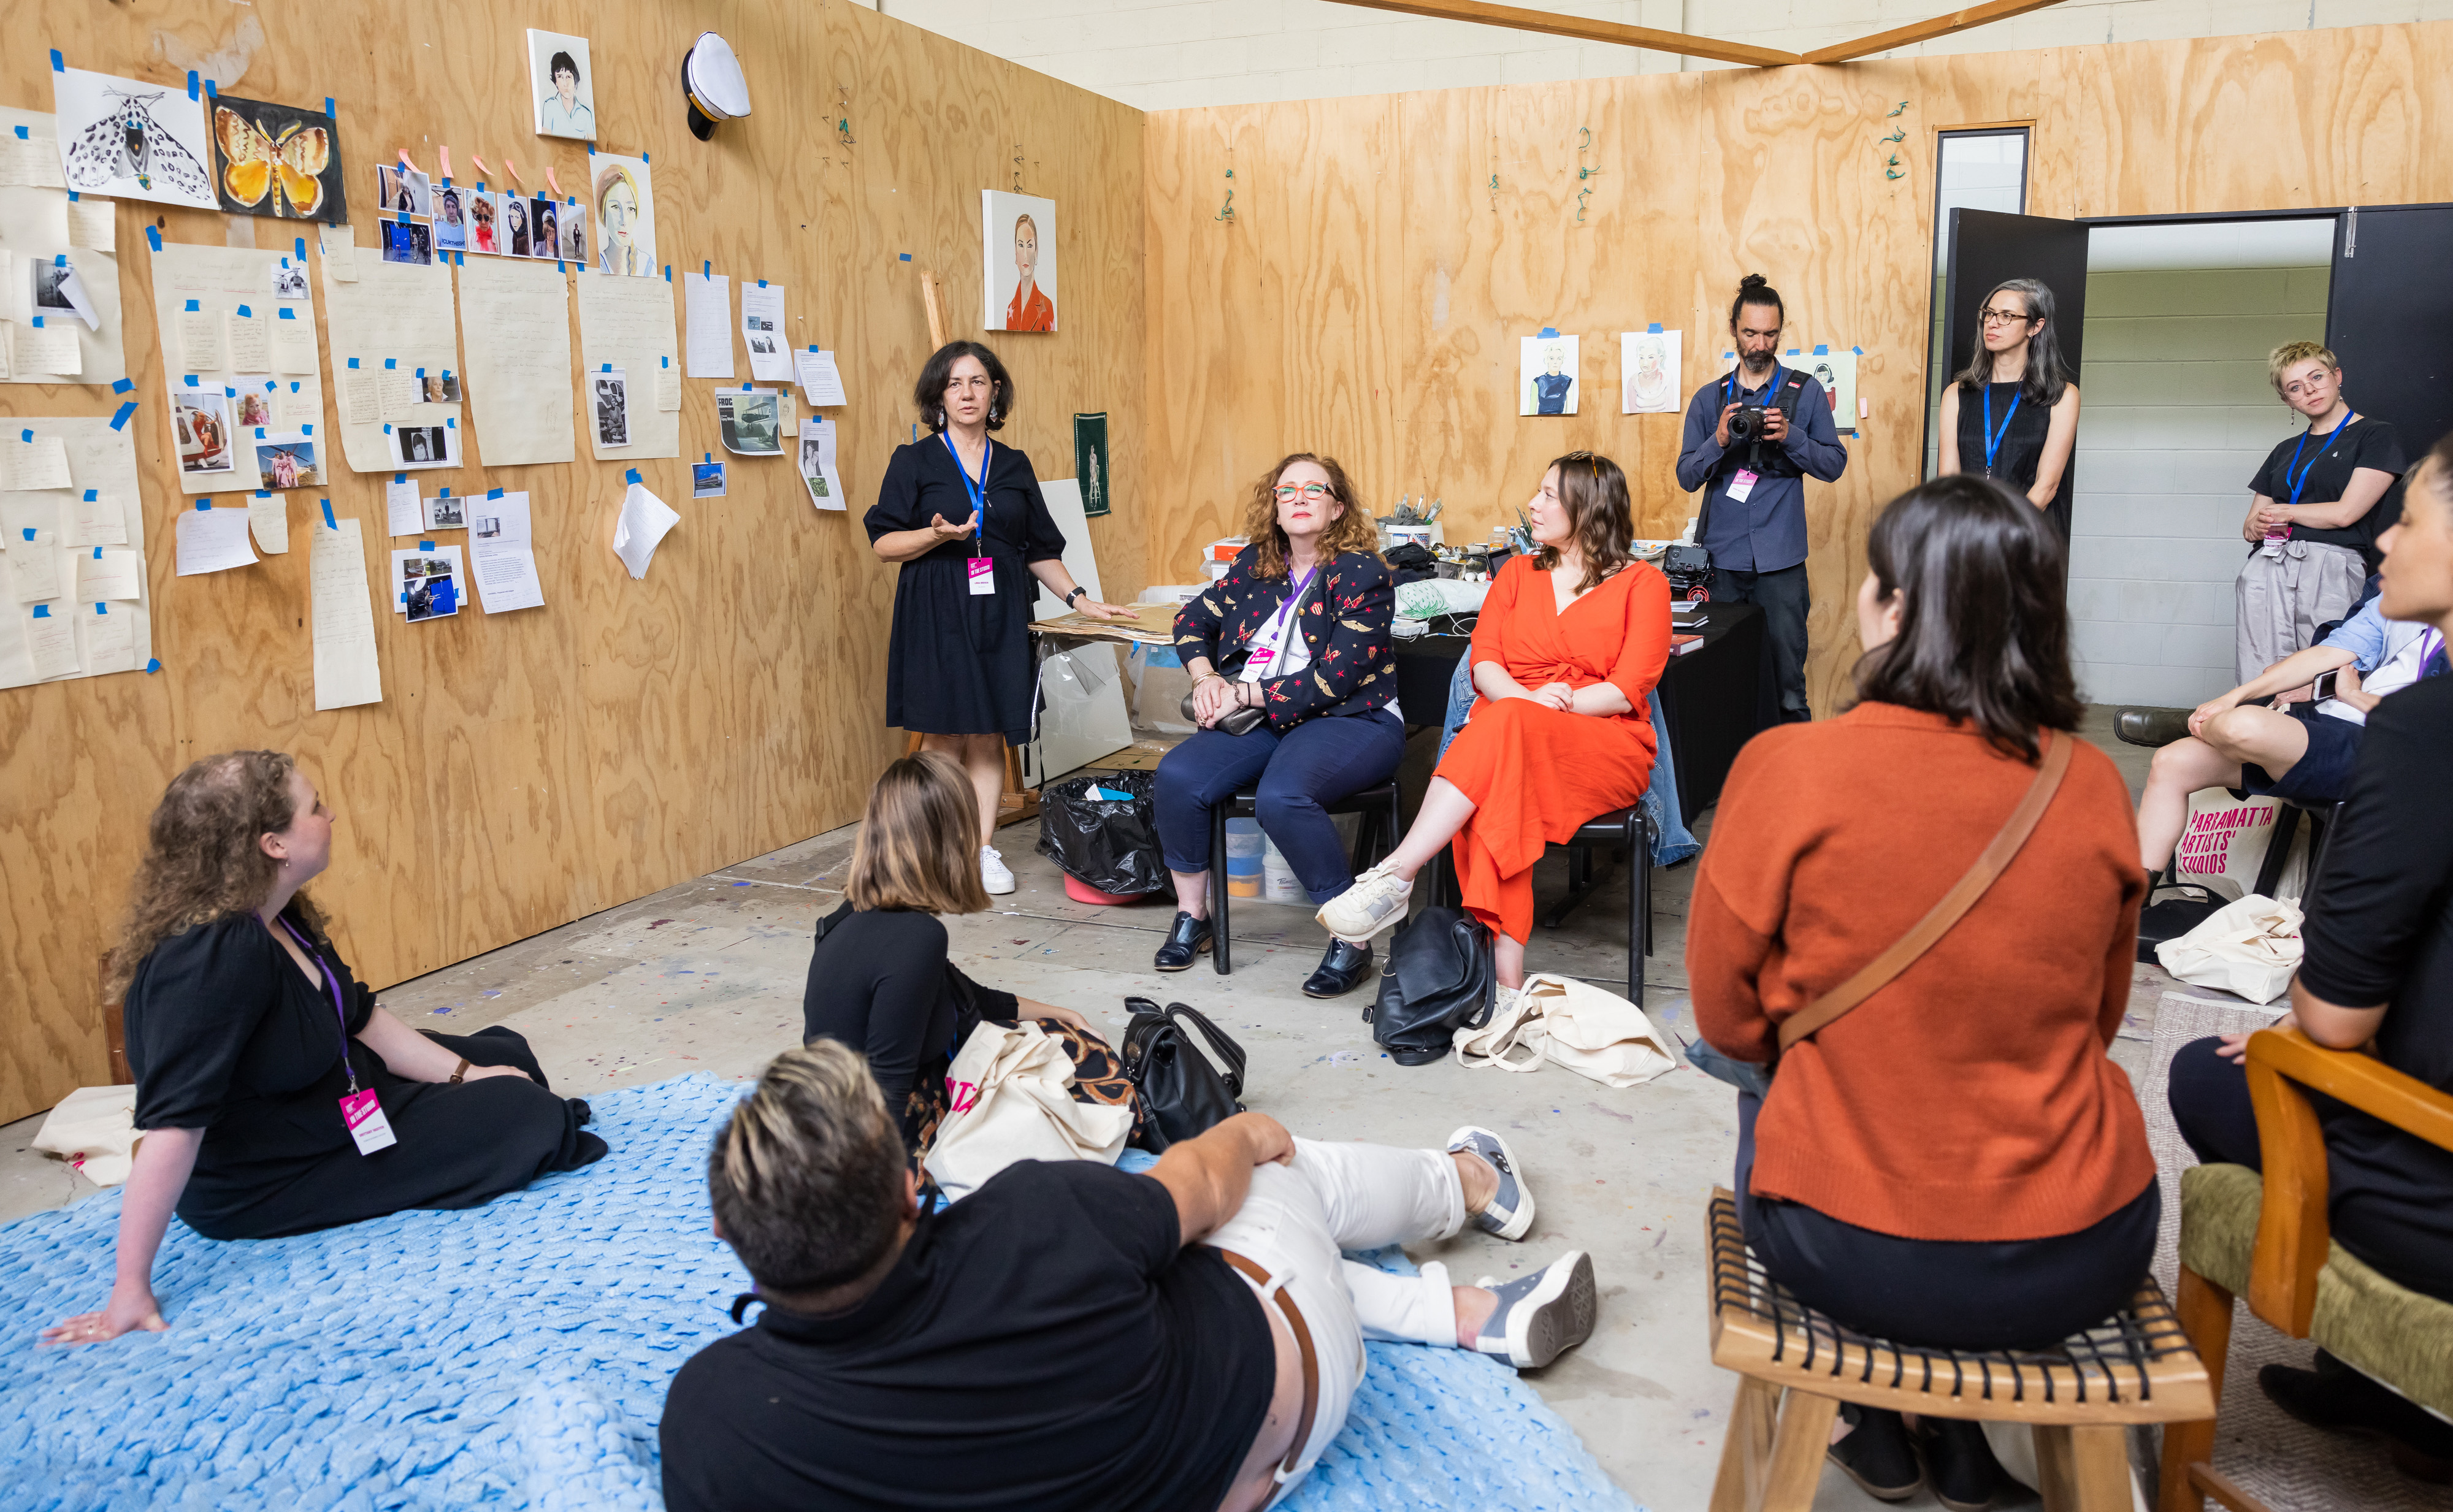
x,y
1754,364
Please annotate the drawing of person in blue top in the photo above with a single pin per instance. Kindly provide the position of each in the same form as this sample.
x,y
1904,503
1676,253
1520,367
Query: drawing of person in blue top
x,y
1551,392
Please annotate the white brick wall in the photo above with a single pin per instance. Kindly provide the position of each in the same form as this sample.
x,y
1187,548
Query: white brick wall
x,y
2178,416
1172,54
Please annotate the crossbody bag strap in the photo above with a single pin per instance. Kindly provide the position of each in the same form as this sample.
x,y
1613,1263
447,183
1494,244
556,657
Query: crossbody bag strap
x,y
1879,972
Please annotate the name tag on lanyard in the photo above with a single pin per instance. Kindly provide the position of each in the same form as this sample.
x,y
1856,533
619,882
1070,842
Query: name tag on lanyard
x,y
1742,484
983,576
983,568
368,1125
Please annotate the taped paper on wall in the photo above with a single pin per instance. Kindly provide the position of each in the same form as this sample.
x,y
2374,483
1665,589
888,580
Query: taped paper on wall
x,y
818,464
100,507
627,323
640,526
346,670
213,541
515,323
501,554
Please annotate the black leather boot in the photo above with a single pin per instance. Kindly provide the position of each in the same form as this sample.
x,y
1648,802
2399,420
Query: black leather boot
x,y
1186,938
1959,1463
1341,970
1877,1455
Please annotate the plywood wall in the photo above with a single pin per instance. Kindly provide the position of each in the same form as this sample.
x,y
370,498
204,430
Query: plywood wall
x,y
526,769
1368,297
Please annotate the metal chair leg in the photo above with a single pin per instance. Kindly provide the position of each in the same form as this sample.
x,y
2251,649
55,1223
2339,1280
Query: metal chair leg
x,y
1218,932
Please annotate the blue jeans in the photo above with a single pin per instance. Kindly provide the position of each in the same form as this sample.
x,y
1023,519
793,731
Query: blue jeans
x,y
1318,762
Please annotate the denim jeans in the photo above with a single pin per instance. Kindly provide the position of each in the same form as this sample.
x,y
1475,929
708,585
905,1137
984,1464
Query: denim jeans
x,y
1318,762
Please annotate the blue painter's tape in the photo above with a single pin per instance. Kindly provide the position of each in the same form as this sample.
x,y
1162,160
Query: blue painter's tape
x,y
91,494
123,386
1859,350
21,136
229,392
762,283
294,387
42,611
212,92
60,261
153,666
1822,351
425,546
74,195
246,314
329,523
101,608
906,257
259,432
306,430
153,237
353,362
300,243
708,455
604,368
459,259
1548,331
813,345
745,388
120,419
446,494
259,493
664,362
386,430
560,267
191,380
288,313
38,323
643,157
391,362
400,477
1654,328
193,306
669,272
707,269
452,424
1792,351
327,104
191,83
493,493
57,66
420,376
631,476
204,504
31,532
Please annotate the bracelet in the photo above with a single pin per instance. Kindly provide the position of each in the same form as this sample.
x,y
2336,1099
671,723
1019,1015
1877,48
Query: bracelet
x,y
459,1071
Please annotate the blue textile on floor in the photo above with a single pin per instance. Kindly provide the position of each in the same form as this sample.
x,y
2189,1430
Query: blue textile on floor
x,y
517,1354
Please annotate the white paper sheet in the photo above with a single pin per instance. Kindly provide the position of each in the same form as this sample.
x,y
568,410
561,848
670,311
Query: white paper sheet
x,y
96,518
707,300
628,323
501,554
396,312
94,112
817,464
73,289
346,669
51,642
93,222
821,382
1063,496
763,333
448,591
404,514
200,334
268,518
29,520
104,572
47,346
515,322
41,463
32,160
339,247
213,541
109,638
230,327
293,344
641,525
103,508
38,223
34,575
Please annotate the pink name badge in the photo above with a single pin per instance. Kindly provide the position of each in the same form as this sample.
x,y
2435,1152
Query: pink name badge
x,y
368,1125
1742,484
983,575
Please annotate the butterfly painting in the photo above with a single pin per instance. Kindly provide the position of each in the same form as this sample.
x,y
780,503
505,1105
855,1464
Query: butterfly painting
x,y
131,140
278,161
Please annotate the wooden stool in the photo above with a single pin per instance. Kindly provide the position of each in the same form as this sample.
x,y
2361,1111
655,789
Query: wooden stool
x,y
1798,1366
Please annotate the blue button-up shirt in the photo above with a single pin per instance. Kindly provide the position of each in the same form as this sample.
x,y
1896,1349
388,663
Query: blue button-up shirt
x,y
1766,531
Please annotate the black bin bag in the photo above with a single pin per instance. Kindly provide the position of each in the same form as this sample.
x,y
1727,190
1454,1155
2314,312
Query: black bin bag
x,y
1111,843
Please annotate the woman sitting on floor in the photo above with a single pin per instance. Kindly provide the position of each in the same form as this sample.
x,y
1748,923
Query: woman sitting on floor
x,y
879,980
1569,644
1954,1163
275,1097
1298,630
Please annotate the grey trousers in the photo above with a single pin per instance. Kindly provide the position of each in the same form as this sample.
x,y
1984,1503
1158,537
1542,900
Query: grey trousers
x,y
2283,598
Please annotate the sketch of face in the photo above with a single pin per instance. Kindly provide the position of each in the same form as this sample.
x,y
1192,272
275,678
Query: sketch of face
x,y
617,210
1647,360
1554,356
1822,375
1026,249
566,85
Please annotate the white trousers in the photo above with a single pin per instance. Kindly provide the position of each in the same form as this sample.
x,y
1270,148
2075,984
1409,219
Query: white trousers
x,y
1345,1196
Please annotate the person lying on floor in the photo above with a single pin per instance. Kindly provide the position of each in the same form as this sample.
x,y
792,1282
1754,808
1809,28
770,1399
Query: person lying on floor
x,y
879,979
1070,1335
1956,1162
2304,751
1570,642
2378,974
274,1096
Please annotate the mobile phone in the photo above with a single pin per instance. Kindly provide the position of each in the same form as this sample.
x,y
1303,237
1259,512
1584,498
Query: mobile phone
x,y
2323,688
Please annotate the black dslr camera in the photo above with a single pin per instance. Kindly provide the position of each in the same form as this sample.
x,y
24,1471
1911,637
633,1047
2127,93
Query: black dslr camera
x,y
1747,426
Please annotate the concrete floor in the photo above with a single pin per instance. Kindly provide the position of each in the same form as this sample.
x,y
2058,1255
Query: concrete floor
x,y
707,976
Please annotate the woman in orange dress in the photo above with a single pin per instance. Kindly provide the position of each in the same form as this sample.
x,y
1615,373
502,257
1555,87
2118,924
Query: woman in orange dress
x,y
1569,644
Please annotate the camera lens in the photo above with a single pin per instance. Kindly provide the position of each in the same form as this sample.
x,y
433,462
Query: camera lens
x,y
1747,424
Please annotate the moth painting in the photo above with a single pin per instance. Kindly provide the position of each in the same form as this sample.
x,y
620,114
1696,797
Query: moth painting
x,y
132,140
277,160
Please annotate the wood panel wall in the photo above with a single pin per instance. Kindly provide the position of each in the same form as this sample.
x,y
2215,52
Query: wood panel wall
x,y
1368,295
527,769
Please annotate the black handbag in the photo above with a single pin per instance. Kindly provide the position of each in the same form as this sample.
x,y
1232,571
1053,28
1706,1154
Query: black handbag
x,y
1182,1093
1438,978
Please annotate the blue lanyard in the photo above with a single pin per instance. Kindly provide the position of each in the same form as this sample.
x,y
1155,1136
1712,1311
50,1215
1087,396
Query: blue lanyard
x,y
2301,482
1993,437
1771,390
979,490
332,980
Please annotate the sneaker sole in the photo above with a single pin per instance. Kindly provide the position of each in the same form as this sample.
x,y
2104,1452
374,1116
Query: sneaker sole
x,y
1365,938
1200,949
1521,1224
1561,1315
996,891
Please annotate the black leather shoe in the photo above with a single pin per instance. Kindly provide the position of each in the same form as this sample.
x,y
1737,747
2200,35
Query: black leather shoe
x,y
1341,970
1877,1455
1959,1463
1186,938
2151,726
2337,1398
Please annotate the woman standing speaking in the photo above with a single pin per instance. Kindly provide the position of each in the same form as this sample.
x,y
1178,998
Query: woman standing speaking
x,y
965,518
2011,415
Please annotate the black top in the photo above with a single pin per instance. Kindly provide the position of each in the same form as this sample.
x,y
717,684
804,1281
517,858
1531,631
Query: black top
x,y
2363,443
1045,1343
2381,930
1346,609
959,663
880,982
2023,434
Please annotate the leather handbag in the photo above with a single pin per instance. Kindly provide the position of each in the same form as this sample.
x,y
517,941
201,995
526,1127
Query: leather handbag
x,y
1182,1092
1234,722
1439,977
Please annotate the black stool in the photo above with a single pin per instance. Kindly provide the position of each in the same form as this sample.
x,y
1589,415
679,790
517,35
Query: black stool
x,y
1628,829
1383,821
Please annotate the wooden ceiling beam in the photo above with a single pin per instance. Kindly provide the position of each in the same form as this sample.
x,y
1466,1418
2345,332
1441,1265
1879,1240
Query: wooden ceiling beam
x,y
1927,30
1586,31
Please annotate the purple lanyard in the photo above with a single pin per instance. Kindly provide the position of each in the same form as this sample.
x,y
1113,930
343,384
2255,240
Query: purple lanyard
x,y
1287,612
332,980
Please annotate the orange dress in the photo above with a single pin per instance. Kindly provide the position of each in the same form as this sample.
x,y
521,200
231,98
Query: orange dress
x,y
1537,773
1037,313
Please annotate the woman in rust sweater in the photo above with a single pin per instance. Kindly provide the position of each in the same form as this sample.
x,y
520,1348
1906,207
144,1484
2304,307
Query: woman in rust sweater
x,y
1956,1162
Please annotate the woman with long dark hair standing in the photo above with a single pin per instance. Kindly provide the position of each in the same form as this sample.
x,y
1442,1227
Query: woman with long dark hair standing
x,y
2012,414
965,518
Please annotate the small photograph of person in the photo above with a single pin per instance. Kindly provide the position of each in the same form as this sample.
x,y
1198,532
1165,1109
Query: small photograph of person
x,y
450,222
1752,517
481,225
2314,514
246,1028
1031,309
254,409
544,233
1562,728
1297,629
1873,1181
516,224
958,663
2012,414
441,388
410,242
574,236
612,409
285,465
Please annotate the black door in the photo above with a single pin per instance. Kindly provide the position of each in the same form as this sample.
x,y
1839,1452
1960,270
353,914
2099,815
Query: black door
x,y
2391,324
1987,248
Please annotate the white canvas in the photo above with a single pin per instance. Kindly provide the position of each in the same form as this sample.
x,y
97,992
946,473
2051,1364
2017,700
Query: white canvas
x,y
1650,374
1018,234
625,205
132,140
565,97
1546,382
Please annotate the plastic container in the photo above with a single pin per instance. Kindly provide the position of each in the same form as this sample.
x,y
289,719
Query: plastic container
x,y
1278,884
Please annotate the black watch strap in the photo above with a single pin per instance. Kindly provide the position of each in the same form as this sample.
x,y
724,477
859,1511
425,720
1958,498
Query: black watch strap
x,y
1079,592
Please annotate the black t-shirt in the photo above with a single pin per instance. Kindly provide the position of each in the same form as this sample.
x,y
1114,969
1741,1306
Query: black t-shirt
x,y
880,982
2363,443
1045,1343
2381,930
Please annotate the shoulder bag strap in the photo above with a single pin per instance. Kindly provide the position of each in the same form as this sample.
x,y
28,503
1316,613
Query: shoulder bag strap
x,y
1879,972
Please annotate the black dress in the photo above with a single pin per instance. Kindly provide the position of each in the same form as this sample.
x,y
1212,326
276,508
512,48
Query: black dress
x,y
226,1034
2021,448
959,663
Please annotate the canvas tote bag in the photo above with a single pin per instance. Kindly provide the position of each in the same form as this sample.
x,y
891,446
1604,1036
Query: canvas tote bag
x,y
2251,947
1007,1101
1589,1030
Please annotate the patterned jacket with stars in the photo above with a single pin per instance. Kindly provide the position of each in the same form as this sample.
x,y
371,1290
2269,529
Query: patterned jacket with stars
x,y
1344,620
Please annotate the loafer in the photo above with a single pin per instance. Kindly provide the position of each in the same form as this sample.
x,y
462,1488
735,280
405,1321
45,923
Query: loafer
x,y
1959,1463
1186,939
1342,969
1541,1316
1877,1455
2151,726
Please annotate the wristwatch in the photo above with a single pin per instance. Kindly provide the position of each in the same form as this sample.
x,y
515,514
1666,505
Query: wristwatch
x,y
1079,592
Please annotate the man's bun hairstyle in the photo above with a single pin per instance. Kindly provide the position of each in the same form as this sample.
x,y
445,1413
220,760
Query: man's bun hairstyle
x,y
1756,290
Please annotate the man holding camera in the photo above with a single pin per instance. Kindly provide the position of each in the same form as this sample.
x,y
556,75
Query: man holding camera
x,y
1751,441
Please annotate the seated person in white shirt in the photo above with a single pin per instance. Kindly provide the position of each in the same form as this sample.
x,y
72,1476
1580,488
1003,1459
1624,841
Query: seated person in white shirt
x,y
2305,750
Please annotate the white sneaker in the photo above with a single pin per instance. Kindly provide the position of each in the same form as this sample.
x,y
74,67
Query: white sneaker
x,y
1543,1315
994,874
1378,899
1510,1213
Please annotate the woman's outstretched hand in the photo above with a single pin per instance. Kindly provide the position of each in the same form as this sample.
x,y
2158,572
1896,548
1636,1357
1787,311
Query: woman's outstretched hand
x,y
126,1310
943,531
1090,609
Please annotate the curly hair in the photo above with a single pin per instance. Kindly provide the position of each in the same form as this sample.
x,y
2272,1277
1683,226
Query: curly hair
x,y
929,393
1594,489
1352,530
203,861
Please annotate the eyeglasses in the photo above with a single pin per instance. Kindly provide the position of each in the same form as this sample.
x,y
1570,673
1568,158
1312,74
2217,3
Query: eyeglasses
x,y
2003,317
1309,493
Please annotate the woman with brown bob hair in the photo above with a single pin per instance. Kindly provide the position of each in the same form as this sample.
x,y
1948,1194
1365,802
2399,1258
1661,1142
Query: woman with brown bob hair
x,y
274,1096
1297,632
880,982
1569,644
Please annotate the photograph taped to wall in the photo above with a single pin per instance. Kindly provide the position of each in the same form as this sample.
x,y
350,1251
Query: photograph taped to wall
x,y
545,227
444,512
625,215
1649,372
574,234
290,281
610,392
482,220
452,219
426,446
514,231
562,81
200,422
277,160
428,582
254,408
402,191
706,480
286,461
752,422
439,389
1837,372
407,242
1018,248
1546,382
132,140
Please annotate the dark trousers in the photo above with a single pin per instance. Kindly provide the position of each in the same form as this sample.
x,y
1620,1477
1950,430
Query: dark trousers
x,y
1318,762
1784,598
1960,1293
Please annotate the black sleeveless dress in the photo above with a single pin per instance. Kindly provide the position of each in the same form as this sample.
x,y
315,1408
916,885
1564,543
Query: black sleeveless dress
x,y
2021,447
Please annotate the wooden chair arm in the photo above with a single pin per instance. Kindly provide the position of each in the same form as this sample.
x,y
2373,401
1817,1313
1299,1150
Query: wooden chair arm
x,y
2292,1235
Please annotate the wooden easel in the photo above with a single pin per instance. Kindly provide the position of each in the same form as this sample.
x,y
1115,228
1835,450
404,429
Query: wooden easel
x,y
1018,803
